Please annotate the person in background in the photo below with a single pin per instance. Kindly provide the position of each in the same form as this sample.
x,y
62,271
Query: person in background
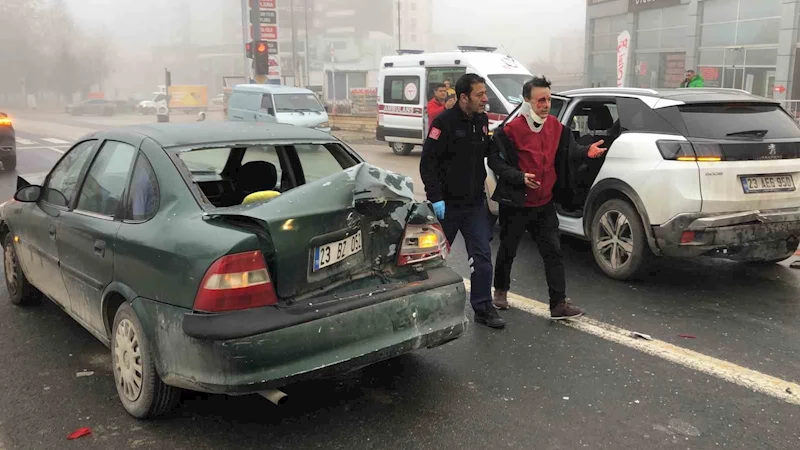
x,y
450,91
453,173
531,155
692,80
439,103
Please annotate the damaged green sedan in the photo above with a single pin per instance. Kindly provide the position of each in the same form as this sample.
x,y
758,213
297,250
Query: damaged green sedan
x,y
231,258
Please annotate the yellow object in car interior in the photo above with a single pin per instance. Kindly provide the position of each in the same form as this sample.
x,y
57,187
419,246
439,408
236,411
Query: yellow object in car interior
x,y
260,196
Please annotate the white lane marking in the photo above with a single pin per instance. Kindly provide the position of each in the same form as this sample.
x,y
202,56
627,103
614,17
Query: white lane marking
x,y
733,373
55,150
21,141
55,141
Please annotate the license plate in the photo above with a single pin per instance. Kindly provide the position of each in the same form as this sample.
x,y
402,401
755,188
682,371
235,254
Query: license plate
x,y
753,184
330,254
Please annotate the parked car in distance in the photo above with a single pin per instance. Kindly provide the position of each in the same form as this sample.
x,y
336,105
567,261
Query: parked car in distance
x,y
8,143
93,106
231,258
688,172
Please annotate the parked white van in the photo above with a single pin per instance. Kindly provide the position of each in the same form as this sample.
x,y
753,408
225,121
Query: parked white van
x,y
277,103
406,83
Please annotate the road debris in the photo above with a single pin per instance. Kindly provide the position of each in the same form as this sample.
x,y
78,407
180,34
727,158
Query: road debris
x,y
789,390
85,373
79,433
646,337
687,336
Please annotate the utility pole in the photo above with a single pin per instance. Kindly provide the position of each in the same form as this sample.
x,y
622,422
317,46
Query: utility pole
x,y
295,64
245,36
399,31
308,80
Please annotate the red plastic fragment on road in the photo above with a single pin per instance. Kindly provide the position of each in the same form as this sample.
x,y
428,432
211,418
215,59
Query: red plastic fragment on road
x,y
79,433
687,336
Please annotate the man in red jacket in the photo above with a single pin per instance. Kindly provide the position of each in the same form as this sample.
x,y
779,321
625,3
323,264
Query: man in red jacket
x,y
438,104
523,156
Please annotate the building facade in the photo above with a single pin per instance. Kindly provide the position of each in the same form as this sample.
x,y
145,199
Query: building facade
x,y
743,44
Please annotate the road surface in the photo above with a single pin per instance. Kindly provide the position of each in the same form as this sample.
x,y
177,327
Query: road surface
x,y
721,371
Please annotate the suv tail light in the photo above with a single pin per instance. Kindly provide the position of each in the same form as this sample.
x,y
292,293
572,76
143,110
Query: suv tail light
x,y
422,243
687,151
234,282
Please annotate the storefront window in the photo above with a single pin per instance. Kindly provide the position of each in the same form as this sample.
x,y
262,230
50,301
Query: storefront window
x,y
659,70
720,10
730,22
762,57
759,9
661,28
604,70
605,31
718,35
758,32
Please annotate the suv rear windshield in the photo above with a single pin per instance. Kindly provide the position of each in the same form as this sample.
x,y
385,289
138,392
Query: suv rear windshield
x,y
738,121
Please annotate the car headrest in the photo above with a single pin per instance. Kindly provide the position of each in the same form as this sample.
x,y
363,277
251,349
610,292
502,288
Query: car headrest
x,y
256,176
600,118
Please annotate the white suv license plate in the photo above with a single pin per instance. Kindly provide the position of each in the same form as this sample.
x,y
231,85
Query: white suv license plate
x,y
330,254
754,184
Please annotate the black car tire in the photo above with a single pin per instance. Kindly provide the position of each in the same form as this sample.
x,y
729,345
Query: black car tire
x,y
154,397
20,290
10,164
401,149
630,231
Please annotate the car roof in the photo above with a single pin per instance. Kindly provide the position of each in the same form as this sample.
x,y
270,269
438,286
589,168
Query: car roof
x,y
270,88
681,95
171,135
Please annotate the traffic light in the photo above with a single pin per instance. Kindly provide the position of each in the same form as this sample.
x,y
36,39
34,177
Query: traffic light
x,y
248,49
261,57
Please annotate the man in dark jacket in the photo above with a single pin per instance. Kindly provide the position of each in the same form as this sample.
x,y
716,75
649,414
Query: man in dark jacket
x,y
530,155
453,172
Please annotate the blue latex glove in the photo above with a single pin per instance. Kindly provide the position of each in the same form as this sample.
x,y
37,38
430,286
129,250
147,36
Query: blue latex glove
x,y
438,208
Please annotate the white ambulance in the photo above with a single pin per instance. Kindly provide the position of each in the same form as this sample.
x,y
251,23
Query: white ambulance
x,y
406,83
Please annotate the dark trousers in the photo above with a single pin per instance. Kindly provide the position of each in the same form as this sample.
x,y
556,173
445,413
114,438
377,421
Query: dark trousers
x,y
542,224
473,223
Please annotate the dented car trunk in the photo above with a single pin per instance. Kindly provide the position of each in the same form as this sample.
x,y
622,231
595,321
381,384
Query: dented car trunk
x,y
336,234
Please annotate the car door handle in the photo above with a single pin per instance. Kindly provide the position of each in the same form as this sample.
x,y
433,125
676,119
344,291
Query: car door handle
x,y
100,248
52,231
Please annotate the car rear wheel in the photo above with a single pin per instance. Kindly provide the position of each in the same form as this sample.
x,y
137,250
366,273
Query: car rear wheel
x,y
20,291
10,164
402,149
619,243
139,387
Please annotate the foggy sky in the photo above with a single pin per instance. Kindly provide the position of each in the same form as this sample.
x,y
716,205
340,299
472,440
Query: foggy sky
x,y
524,27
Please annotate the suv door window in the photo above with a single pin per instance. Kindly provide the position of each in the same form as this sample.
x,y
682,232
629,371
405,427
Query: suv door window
x,y
267,153
63,180
105,183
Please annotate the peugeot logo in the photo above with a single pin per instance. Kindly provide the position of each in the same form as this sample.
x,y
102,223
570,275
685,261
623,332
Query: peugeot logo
x,y
773,151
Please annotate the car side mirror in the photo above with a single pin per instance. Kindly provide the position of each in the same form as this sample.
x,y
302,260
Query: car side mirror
x,y
28,194
271,111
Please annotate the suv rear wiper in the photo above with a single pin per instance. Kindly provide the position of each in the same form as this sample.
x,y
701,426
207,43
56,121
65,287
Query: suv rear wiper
x,y
757,133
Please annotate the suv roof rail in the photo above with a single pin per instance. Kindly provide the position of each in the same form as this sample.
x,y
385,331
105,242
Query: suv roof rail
x,y
409,52
717,89
612,89
476,48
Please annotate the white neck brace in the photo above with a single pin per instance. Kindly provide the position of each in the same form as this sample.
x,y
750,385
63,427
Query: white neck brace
x,y
534,121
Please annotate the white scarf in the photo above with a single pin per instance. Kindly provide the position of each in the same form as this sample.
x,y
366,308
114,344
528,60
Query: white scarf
x,y
534,121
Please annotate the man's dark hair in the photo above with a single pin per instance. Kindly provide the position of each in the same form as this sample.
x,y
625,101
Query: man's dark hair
x,y
540,82
438,86
465,83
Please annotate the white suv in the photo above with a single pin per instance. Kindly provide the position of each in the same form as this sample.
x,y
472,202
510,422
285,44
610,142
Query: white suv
x,y
688,172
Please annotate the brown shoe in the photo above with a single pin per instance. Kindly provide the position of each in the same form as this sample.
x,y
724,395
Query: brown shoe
x,y
565,310
500,300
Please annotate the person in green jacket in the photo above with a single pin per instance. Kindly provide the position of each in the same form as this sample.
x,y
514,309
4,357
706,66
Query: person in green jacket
x,y
692,80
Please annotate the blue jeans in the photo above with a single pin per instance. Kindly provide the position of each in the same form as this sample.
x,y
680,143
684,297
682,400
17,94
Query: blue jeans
x,y
473,223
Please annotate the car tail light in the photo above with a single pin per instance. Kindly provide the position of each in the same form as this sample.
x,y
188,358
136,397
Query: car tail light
x,y
234,282
422,243
686,151
687,237
5,121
